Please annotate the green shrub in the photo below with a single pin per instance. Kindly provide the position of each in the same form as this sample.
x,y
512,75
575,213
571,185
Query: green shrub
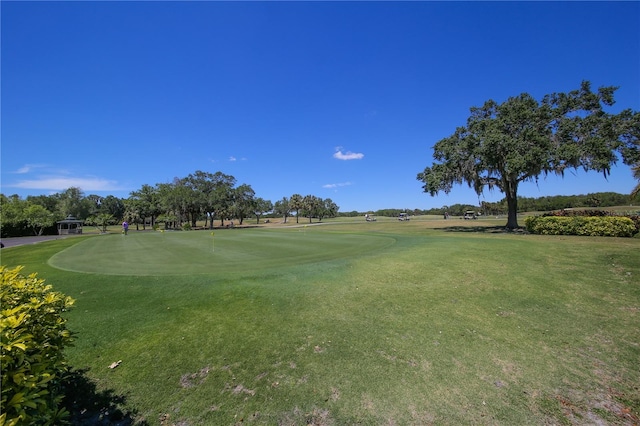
x,y
604,226
636,221
186,226
33,336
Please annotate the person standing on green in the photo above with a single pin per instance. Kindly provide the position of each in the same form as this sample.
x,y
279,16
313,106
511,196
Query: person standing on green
x,y
125,227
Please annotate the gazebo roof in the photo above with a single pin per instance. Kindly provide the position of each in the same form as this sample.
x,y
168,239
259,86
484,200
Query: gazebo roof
x,y
70,219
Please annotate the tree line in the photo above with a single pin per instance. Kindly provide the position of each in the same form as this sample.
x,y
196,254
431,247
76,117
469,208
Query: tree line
x,y
501,208
207,197
200,196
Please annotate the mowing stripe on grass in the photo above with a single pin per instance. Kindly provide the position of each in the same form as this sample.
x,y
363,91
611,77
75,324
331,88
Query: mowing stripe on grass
x,y
179,253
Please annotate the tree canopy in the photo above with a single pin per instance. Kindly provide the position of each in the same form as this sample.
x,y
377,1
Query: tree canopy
x,y
521,139
184,201
636,174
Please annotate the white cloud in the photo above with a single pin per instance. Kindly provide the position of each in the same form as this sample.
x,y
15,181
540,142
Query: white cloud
x,y
347,155
232,158
336,185
27,168
62,183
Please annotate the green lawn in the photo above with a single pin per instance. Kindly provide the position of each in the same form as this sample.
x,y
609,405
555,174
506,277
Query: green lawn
x,y
188,253
386,323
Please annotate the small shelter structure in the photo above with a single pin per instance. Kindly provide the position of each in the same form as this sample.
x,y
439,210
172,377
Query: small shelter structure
x,y
70,225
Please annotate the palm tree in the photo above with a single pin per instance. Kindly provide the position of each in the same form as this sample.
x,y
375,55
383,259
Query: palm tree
x,y
296,204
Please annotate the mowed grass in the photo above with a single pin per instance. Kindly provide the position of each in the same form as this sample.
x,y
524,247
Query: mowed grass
x,y
179,253
426,322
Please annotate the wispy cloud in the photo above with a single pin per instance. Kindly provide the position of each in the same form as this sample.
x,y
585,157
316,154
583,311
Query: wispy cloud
x,y
336,185
232,158
47,178
28,168
347,155
57,183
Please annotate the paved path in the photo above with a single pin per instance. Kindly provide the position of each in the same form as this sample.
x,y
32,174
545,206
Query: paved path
x,y
20,241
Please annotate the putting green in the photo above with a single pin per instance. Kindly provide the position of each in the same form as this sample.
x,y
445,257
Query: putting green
x,y
199,252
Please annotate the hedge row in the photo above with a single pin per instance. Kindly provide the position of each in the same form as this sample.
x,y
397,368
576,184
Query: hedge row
x,y
588,213
603,226
33,335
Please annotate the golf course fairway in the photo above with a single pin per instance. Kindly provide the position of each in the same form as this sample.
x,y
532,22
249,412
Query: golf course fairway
x,y
206,252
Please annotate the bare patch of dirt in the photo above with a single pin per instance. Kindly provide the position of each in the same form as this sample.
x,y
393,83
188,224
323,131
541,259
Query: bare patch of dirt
x,y
165,420
387,356
335,394
509,368
367,403
599,409
421,417
316,417
319,417
240,389
194,379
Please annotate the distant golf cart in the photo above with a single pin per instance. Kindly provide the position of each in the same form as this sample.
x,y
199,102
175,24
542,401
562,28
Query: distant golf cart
x,y
403,216
369,217
469,215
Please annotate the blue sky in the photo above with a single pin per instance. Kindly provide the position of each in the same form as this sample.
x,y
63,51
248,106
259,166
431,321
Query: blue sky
x,y
342,100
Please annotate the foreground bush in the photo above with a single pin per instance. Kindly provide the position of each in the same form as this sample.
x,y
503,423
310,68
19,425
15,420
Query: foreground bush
x,y
33,336
603,226
636,221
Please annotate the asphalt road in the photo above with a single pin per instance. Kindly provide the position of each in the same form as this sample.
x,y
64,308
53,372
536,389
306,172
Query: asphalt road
x,y
20,241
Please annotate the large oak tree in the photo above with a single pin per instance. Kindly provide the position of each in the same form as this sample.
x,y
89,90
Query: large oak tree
x,y
521,139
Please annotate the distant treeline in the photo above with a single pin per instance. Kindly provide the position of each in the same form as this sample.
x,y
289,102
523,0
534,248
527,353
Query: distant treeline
x,y
548,203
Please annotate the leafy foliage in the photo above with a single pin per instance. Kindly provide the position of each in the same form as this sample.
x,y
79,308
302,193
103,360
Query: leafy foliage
x,y
260,207
101,220
313,206
505,144
636,174
33,335
282,208
19,217
603,226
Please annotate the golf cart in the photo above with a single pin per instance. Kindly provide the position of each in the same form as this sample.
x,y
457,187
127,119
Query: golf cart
x,y
470,214
369,217
403,216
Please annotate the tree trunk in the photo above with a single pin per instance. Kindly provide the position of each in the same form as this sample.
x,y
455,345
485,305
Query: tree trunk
x,y
511,193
